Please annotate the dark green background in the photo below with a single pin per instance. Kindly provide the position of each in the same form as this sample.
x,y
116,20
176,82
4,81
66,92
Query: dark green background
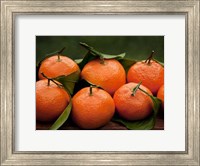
x,y
136,47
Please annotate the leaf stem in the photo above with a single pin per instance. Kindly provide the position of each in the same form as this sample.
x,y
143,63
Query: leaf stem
x,y
59,52
136,88
85,45
144,92
148,60
51,79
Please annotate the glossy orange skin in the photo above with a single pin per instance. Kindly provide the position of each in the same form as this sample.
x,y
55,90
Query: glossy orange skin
x,y
133,107
110,75
160,95
52,68
151,75
50,101
92,111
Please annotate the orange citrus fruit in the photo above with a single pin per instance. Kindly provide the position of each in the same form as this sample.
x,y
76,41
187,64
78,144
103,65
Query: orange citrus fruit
x,y
160,95
150,73
51,100
55,66
109,74
133,106
91,110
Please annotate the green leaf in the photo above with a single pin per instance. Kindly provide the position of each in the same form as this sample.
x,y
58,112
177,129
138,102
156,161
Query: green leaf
x,y
62,118
45,57
68,81
49,55
120,56
78,60
127,63
162,64
93,54
156,104
88,57
99,54
145,124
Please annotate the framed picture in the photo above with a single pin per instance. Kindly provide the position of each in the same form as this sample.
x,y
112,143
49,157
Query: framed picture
x,y
32,29
81,67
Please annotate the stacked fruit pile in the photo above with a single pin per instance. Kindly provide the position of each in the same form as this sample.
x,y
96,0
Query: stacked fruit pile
x,y
99,88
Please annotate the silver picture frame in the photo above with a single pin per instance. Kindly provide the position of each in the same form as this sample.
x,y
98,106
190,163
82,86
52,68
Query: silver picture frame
x,y
11,8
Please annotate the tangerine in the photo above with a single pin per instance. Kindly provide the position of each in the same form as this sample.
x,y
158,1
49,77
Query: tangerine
x,y
57,65
51,100
92,108
109,74
149,72
160,95
132,106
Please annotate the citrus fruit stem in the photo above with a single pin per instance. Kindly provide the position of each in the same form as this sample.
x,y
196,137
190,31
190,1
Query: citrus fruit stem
x,y
58,60
93,86
59,52
102,60
148,60
91,90
135,89
51,79
48,82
